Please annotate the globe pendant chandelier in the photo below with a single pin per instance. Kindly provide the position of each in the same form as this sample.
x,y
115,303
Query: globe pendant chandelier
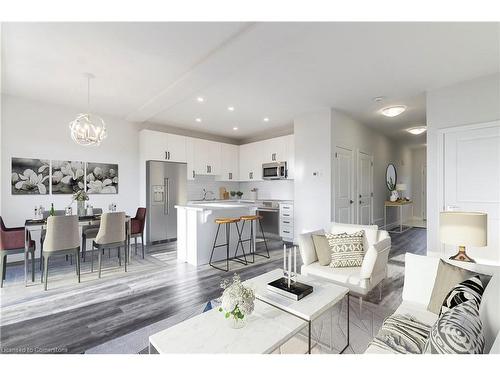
x,y
88,129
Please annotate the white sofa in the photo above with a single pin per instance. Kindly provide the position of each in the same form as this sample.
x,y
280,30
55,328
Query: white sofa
x,y
420,273
359,280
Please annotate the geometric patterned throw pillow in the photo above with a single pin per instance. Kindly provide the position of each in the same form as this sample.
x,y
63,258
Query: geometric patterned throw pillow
x,y
347,249
470,289
458,331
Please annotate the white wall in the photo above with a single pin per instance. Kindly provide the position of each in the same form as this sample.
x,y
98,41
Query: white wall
x,y
347,132
35,130
313,155
469,102
418,182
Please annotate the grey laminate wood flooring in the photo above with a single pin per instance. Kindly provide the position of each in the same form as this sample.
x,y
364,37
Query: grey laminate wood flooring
x,y
72,317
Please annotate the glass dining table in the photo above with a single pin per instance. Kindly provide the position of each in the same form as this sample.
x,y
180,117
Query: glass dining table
x,y
34,225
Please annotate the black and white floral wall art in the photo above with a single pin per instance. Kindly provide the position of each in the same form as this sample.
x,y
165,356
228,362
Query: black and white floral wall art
x,y
30,176
102,178
67,176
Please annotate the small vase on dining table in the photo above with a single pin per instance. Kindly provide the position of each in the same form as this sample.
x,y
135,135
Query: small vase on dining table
x,y
80,208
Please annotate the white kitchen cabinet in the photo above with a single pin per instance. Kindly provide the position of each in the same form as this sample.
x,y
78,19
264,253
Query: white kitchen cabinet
x,y
207,157
251,162
162,146
286,221
273,150
229,170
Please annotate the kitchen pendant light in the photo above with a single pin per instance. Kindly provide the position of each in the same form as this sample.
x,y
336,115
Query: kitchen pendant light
x,y
88,129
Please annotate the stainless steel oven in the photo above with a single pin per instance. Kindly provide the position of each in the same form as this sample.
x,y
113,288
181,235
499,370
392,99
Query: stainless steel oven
x,y
274,171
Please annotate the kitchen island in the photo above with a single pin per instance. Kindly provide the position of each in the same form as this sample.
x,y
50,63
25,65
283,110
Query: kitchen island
x,y
196,229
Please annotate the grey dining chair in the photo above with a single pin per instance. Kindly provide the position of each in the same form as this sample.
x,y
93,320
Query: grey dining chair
x,y
112,234
89,232
62,238
45,215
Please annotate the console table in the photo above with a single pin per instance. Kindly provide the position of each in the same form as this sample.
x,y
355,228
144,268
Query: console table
x,y
400,204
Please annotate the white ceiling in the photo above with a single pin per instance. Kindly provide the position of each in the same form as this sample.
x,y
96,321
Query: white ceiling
x,y
153,72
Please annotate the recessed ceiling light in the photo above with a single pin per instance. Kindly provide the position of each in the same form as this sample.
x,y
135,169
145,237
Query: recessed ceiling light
x,y
266,119
200,99
417,130
198,119
393,111
235,128
231,109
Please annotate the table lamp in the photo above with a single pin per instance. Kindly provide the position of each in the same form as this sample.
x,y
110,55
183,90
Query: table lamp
x,y
463,229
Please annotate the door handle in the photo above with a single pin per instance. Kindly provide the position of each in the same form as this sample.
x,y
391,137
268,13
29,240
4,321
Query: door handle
x,y
360,195
250,175
230,175
360,202
166,207
168,155
351,201
194,174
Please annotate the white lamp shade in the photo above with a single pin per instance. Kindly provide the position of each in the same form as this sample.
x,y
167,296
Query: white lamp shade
x,y
463,228
401,187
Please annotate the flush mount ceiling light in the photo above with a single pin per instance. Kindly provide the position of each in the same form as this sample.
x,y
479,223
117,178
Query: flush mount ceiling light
x,y
393,111
200,99
88,129
266,119
235,128
197,119
417,130
230,109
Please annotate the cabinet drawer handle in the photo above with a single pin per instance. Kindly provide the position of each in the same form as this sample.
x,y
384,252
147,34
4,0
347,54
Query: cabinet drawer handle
x,y
286,215
194,174
230,176
286,222
285,231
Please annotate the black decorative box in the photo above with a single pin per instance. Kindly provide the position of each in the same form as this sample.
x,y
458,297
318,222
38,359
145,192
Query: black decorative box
x,y
296,291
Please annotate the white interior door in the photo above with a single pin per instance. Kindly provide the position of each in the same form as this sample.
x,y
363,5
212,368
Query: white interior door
x,y
365,188
472,181
344,200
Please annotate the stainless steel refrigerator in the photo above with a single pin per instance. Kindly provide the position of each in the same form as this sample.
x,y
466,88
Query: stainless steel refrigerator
x,y
166,186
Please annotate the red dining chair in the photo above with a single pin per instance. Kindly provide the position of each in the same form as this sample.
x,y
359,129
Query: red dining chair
x,y
12,242
137,227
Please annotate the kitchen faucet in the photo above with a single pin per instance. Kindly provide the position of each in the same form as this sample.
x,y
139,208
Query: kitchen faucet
x,y
205,192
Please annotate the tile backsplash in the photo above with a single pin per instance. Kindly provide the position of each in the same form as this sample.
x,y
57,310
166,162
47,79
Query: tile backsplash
x,y
279,189
195,187
282,189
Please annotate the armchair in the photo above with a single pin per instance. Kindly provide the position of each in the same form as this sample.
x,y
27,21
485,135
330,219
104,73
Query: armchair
x,y
359,280
12,242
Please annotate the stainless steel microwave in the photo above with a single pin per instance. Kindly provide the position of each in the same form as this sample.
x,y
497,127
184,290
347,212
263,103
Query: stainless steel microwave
x,y
274,171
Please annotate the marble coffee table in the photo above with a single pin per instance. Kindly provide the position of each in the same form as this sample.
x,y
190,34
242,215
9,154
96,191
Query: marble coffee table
x,y
324,297
267,329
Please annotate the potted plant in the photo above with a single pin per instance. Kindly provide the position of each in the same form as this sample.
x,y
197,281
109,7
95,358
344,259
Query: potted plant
x,y
233,194
239,194
237,301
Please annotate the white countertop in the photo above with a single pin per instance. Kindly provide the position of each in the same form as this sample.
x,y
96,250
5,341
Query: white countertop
x,y
218,205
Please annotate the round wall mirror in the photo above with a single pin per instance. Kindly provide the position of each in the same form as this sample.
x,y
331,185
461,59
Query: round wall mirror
x,y
391,177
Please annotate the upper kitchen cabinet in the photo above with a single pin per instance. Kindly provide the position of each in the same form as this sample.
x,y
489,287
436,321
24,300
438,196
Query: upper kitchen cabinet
x,y
207,157
251,162
273,150
162,146
229,163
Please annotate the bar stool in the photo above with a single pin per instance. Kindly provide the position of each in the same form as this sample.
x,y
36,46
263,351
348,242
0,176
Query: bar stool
x,y
227,222
251,239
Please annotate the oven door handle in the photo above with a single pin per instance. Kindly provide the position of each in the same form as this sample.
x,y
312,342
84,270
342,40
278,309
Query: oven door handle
x,y
268,209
